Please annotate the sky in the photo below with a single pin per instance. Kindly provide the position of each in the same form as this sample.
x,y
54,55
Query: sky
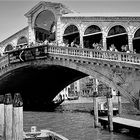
x,y
12,12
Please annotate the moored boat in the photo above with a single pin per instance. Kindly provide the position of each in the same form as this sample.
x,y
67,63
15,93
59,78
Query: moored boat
x,y
73,97
44,134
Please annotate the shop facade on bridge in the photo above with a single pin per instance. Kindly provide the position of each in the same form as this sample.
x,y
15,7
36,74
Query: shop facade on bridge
x,y
56,23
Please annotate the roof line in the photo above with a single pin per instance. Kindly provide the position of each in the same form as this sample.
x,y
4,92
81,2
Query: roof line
x,y
14,34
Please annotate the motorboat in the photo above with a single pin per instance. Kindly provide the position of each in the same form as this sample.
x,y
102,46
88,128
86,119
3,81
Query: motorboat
x,y
43,134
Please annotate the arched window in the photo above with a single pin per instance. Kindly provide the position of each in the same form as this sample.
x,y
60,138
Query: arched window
x,y
116,30
45,26
71,34
117,36
22,42
72,29
9,47
92,29
92,37
136,41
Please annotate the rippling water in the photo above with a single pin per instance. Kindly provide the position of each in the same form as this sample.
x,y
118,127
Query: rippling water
x,y
72,121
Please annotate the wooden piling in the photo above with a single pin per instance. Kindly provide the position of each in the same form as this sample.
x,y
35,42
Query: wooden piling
x,y
2,116
95,103
110,111
119,104
139,101
17,117
8,109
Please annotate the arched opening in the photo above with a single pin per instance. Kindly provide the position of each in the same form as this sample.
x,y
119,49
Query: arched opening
x,y
136,41
22,42
71,36
45,26
117,36
92,37
9,47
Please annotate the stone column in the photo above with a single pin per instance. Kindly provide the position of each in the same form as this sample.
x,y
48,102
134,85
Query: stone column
x,y
81,35
59,36
2,115
110,110
95,104
8,110
31,31
17,117
130,42
104,39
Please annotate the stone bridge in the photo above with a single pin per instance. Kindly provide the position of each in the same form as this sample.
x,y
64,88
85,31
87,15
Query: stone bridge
x,y
47,69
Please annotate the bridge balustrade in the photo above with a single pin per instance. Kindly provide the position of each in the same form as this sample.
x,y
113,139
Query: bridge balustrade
x,y
97,54
4,61
42,51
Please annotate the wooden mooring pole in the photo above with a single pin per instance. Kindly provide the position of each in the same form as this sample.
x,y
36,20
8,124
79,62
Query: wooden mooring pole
x,y
2,116
119,104
8,110
110,111
17,117
95,103
139,101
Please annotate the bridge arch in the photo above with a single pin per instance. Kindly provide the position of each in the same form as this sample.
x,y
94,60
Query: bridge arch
x,y
81,71
44,23
92,35
115,34
136,41
71,33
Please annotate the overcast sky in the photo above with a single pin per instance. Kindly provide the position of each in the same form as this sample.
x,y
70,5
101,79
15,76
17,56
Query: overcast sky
x,y
12,12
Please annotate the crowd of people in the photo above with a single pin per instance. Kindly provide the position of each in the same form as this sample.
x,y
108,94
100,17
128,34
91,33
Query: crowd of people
x,y
97,46
124,48
75,43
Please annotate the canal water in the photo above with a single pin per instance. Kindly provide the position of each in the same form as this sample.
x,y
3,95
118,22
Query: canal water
x,y
73,121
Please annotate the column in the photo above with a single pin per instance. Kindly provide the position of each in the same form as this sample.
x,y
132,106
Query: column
x,y
8,110
2,115
130,42
110,110
17,117
81,41
104,36
95,104
81,35
31,31
59,36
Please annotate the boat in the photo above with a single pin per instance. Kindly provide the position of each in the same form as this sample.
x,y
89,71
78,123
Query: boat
x,y
73,97
43,134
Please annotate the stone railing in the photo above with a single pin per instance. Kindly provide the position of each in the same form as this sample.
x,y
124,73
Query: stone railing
x,y
42,51
96,54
